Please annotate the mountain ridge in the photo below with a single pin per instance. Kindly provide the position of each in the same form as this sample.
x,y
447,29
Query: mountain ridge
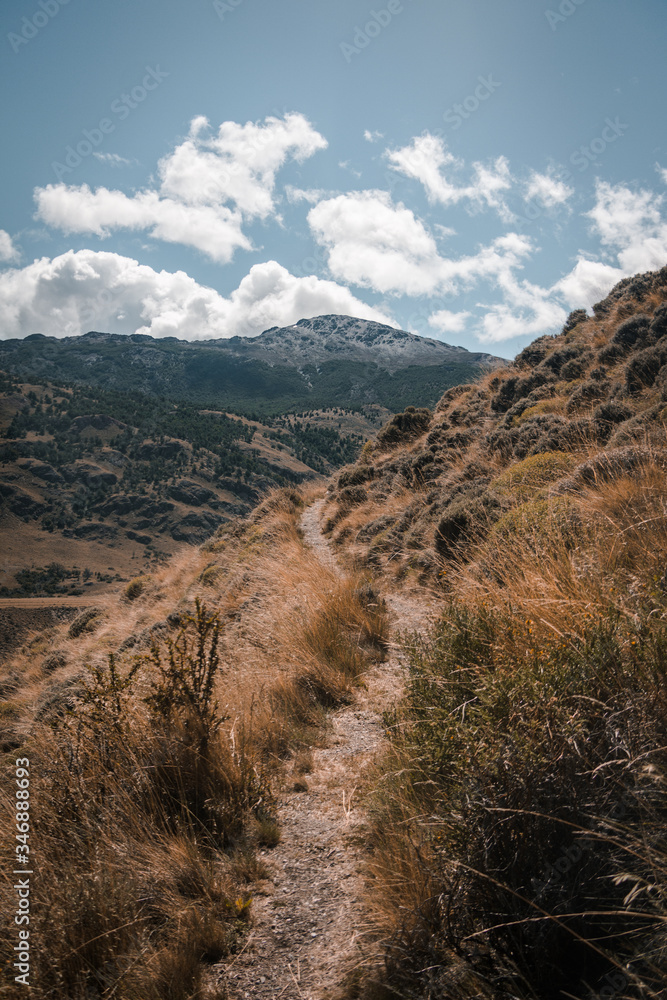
x,y
325,361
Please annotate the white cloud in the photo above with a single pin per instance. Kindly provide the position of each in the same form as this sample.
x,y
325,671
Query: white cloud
x,y
449,322
113,159
372,136
547,189
587,283
526,310
208,186
631,223
8,252
375,244
213,229
270,296
238,164
662,172
426,159
76,292
311,195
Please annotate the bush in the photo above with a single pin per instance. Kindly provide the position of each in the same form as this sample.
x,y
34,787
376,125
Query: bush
x,y
632,331
539,519
537,875
211,575
523,479
586,394
352,496
356,476
612,413
531,355
643,369
463,522
405,426
576,367
186,671
137,587
54,661
574,319
614,464
87,621
659,321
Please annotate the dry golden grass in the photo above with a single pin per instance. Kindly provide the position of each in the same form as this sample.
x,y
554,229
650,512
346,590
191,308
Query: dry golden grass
x,y
148,812
611,548
550,658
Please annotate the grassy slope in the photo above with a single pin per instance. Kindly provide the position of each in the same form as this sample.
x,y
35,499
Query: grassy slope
x,y
518,838
155,733
519,835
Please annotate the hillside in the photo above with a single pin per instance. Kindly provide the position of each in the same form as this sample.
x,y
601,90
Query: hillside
x,y
96,484
319,363
435,485
401,735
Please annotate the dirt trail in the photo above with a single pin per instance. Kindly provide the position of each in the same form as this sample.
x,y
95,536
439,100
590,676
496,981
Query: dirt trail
x,y
310,919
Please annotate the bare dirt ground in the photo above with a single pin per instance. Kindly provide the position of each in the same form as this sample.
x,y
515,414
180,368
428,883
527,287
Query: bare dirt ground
x,y
309,918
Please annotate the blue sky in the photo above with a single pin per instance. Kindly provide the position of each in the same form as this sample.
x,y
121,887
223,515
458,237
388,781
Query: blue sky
x,y
470,170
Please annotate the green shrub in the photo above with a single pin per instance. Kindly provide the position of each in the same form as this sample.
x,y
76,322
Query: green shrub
x,y
523,479
542,518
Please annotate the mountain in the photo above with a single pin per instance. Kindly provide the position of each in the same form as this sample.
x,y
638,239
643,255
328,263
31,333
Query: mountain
x,y
323,362
482,599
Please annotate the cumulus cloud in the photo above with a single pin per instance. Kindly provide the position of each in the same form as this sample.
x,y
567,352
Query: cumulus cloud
x,y
311,195
587,283
372,136
375,244
237,164
8,251
449,322
632,225
213,229
84,290
427,158
526,310
548,190
208,186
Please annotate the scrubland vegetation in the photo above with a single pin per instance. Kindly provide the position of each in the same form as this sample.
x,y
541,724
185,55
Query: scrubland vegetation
x,y
520,813
516,845
156,727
